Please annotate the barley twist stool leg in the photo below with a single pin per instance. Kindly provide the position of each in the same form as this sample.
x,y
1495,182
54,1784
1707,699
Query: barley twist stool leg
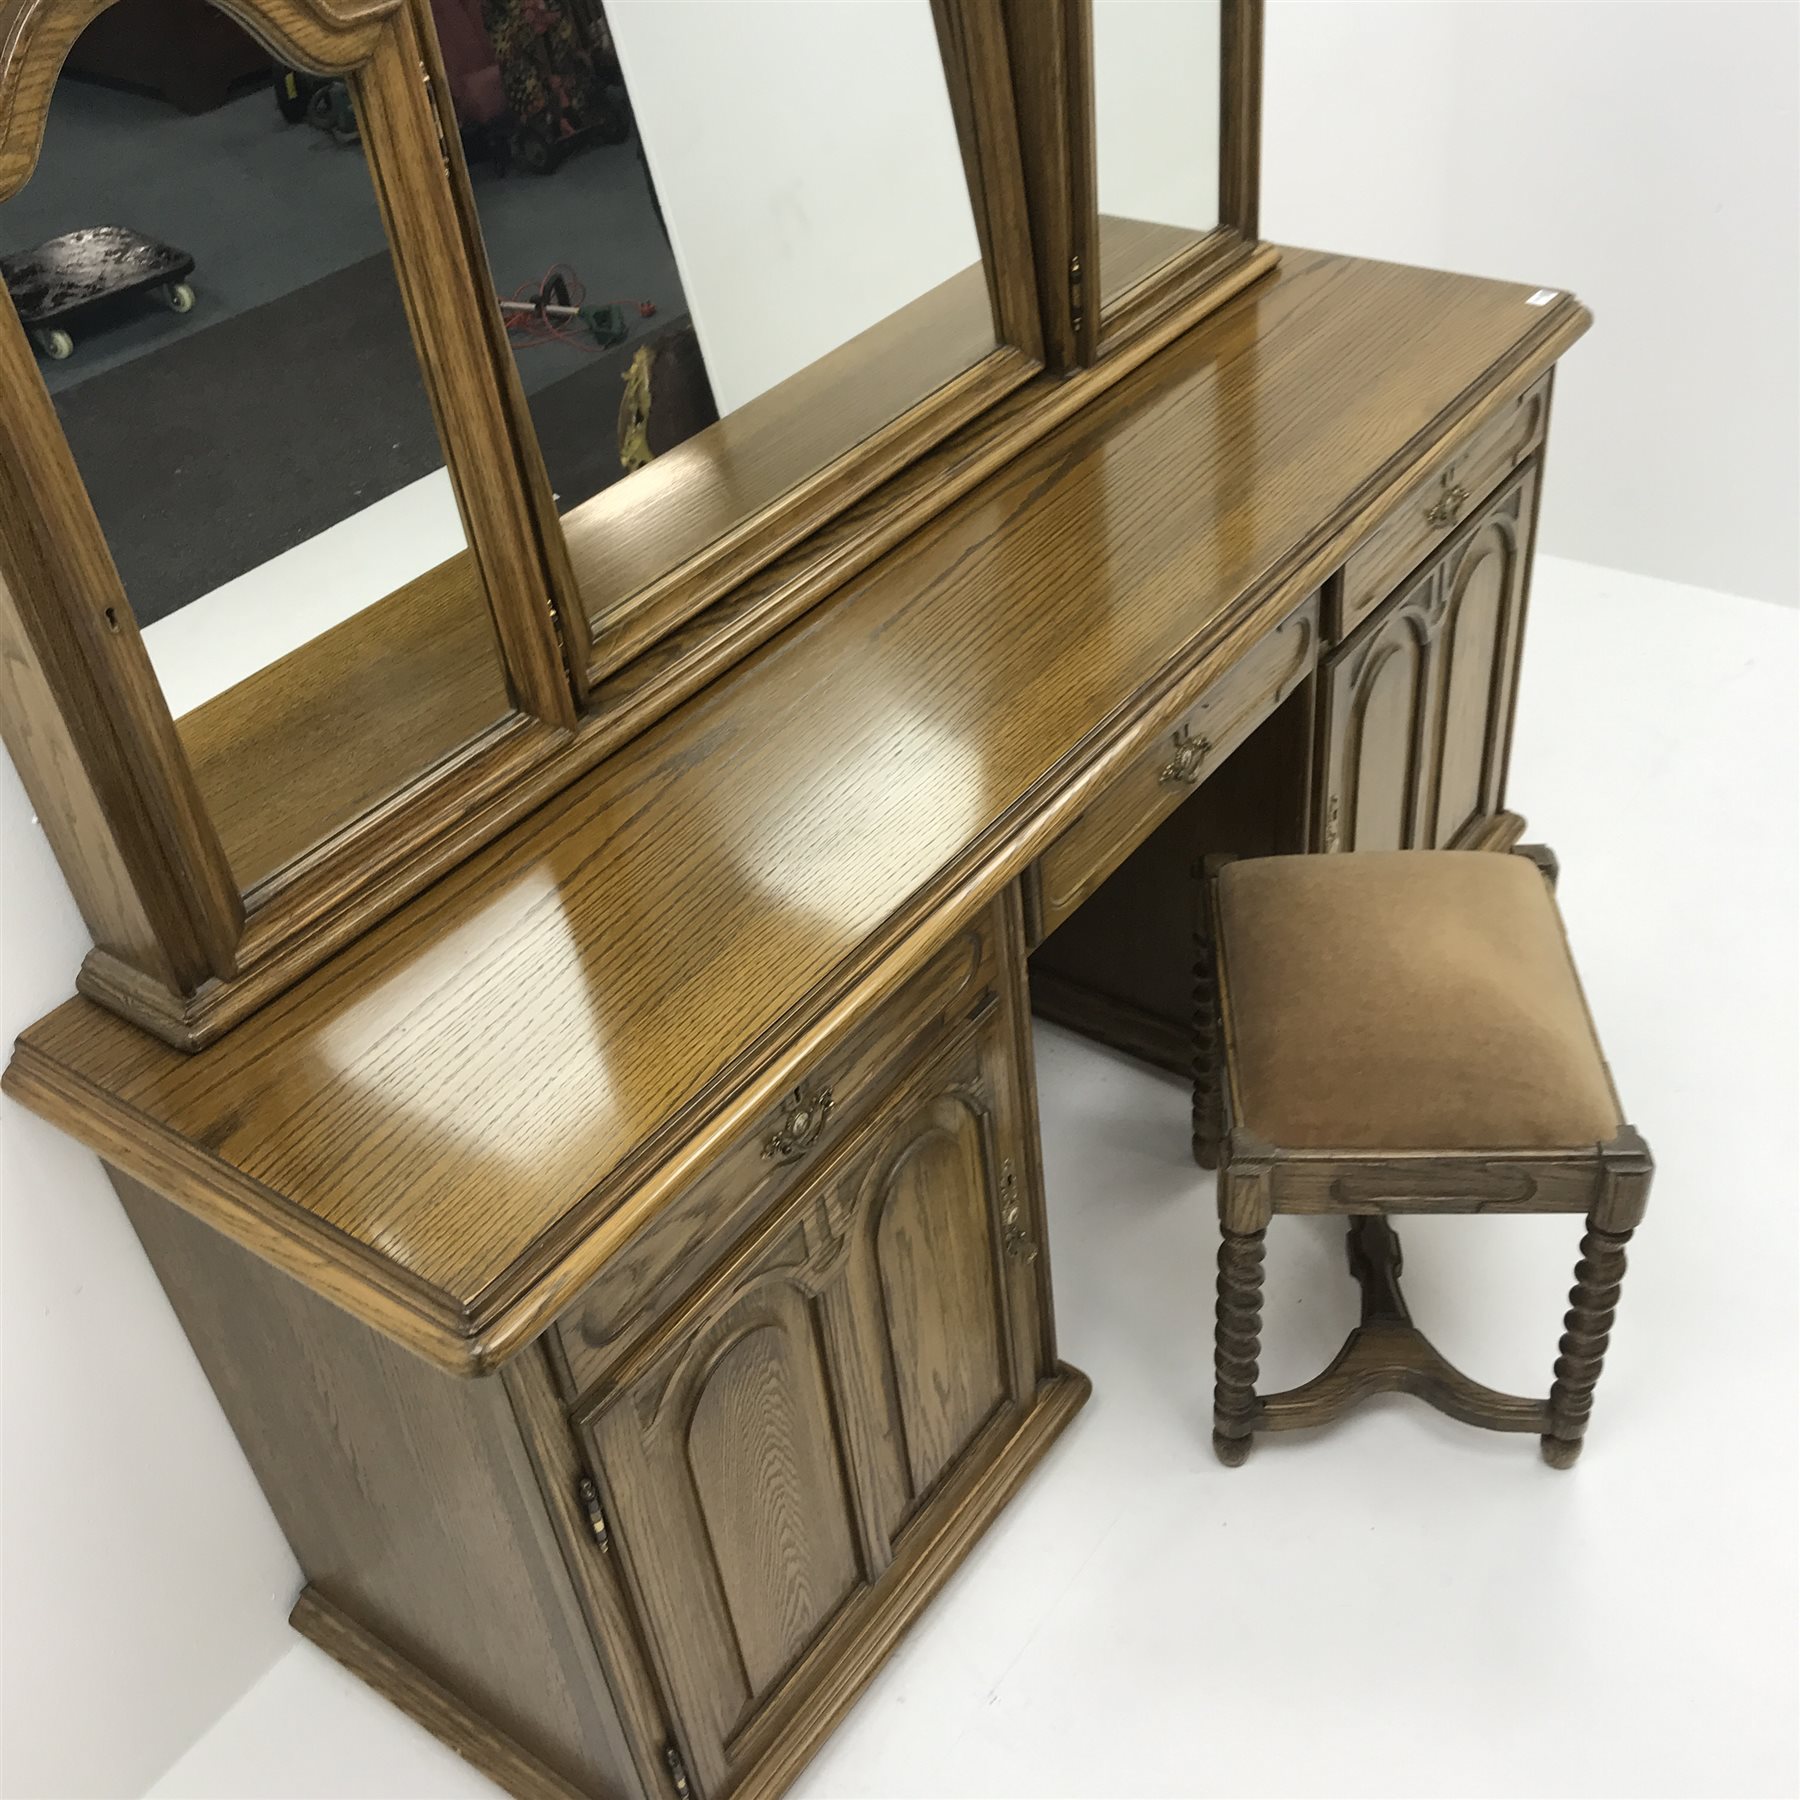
x,y
1592,1303
1236,1340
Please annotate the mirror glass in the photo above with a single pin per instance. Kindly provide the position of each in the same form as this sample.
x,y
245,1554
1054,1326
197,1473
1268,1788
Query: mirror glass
x,y
217,318
732,238
1156,133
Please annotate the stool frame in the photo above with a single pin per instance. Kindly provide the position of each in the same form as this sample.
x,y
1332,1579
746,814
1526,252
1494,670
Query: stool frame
x,y
1386,1352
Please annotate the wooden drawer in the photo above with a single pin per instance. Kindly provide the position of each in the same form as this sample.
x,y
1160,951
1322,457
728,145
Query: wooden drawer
x,y
1168,771
1434,507
747,1178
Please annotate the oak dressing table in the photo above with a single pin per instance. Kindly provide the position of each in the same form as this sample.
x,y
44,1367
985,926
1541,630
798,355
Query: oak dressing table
x,y
604,1191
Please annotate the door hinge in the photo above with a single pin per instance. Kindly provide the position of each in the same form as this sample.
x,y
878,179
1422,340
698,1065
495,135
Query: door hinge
x,y
589,1495
1075,295
437,118
678,1775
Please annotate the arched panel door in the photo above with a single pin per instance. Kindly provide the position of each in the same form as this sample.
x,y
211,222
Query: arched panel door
x,y
1484,586
934,1233
1379,692
725,1455
777,1459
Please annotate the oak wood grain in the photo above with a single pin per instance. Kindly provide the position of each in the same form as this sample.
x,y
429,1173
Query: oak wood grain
x,y
319,737
972,45
459,1119
1207,733
1132,250
85,718
1042,47
1418,702
128,818
654,548
310,907
407,1496
432,1705
1424,518
747,1177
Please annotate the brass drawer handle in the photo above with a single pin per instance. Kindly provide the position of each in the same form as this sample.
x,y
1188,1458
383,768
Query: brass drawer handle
x,y
1183,768
1447,508
807,1111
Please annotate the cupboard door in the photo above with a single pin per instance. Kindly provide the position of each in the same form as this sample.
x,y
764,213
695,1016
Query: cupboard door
x,y
1477,650
729,1488
942,1275
765,1451
1380,698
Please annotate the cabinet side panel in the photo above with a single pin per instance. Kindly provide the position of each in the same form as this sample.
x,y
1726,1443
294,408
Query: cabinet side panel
x,y
406,1493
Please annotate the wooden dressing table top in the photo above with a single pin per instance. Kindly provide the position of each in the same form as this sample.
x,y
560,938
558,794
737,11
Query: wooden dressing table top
x,y
451,1125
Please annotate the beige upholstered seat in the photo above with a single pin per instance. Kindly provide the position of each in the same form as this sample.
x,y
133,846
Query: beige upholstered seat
x,y
1413,1000
1388,1034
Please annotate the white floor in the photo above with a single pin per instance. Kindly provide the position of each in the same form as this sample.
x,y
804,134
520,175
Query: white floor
x,y
1397,1606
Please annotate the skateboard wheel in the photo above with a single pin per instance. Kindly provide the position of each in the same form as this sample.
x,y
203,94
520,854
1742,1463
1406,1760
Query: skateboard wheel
x,y
177,296
55,343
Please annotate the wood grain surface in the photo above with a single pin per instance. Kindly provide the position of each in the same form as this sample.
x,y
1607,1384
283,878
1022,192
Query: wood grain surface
x,y
452,1124
710,497
315,739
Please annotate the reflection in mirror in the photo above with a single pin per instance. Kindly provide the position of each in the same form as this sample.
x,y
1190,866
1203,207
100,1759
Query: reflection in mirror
x,y
686,207
217,317
1156,133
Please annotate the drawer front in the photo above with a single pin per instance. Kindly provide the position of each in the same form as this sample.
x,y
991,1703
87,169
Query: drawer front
x,y
1434,507
750,1176
1169,770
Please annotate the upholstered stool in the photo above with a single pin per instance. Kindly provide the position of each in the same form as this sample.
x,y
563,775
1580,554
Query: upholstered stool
x,y
1402,1032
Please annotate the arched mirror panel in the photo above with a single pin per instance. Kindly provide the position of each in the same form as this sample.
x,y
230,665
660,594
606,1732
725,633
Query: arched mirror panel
x,y
740,266
259,442
1175,88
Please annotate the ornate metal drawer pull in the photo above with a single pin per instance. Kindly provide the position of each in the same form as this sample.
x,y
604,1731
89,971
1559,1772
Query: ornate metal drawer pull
x,y
807,1111
1446,509
1183,768
1012,1223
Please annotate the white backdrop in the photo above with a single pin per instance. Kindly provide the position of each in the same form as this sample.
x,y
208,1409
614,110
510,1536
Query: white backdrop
x,y
806,161
1642,154
1646,156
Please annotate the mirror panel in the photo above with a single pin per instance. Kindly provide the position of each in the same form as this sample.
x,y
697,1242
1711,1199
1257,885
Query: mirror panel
x,y
232,365
754,221
1156,132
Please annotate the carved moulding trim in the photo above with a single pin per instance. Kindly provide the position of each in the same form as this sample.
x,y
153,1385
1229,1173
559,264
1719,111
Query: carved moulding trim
x,y
329,37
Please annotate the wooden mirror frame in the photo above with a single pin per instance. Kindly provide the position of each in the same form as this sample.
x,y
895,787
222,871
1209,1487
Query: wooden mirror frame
x,y
607,631
179,948
1054,82
86,719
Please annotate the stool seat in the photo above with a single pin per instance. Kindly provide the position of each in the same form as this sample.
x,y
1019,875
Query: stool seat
x,y
1392,1033
1407,1000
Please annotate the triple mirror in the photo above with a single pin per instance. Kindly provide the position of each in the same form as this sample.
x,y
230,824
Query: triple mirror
x,y
388,378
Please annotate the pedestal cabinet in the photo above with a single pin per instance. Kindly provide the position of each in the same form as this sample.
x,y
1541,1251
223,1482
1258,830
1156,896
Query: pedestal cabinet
x,y
880,1336
1399,740
746,1454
